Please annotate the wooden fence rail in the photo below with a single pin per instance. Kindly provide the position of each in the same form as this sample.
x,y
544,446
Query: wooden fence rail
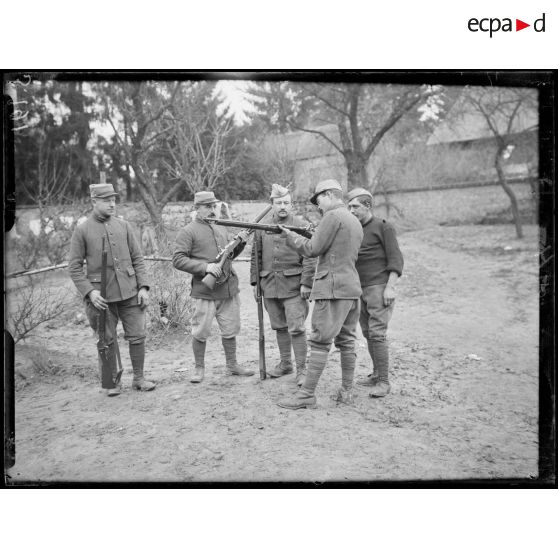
x,y
65,264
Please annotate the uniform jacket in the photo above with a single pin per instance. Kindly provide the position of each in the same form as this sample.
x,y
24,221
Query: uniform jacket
x,y
126,272
283,269
336,241
198,244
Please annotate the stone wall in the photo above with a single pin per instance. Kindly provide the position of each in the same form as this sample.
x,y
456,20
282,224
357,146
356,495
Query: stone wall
x,y
463,205
430,207
411,209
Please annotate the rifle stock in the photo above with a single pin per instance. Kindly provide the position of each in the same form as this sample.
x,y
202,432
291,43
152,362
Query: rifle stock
x,y
210,280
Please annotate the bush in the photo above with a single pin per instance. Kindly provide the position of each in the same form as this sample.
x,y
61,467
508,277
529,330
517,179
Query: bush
x,y
32,303
170,305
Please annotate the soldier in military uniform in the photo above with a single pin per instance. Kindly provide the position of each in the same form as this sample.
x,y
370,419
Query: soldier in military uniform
x,y
196,249
286,281
379,265
127,285
336,292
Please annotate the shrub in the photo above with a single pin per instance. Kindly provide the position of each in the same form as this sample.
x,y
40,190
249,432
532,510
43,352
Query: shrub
x,y
170,303
32,303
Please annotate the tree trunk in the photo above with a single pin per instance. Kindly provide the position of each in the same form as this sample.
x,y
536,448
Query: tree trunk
x,y
128,184
509,192
357,173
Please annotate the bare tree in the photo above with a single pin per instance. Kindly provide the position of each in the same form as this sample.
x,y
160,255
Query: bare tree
x,y
197,144
33,305
503,110
139,114
362,114
171,138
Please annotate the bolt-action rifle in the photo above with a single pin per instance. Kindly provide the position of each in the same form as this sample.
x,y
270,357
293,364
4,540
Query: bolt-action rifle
x,y
210,280
106,352
259,301
274,229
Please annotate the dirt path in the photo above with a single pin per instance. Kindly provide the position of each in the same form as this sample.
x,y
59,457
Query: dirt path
x,y
464,346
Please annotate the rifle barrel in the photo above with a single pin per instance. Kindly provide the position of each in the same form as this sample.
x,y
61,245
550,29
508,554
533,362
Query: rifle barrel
x,y
272,228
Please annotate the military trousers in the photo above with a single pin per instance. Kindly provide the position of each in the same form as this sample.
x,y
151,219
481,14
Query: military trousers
x,y
225,310
334,321
374,315
287,313
128,311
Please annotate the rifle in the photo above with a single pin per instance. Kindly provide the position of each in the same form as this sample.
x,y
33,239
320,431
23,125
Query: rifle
x,y
303,231
210,280
106,352
261,334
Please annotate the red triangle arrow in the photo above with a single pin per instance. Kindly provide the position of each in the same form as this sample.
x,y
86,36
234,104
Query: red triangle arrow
x,y
519,25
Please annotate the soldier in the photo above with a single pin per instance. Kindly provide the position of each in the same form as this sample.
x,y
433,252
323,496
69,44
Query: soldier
x,y
127,286
336,292
196,249
286,281
379,265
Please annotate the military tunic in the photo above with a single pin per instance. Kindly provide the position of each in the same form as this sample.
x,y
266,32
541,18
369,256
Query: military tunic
x,y
126,274
336,289
198,244
282,271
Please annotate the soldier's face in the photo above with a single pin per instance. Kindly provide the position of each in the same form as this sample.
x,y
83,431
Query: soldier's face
x,y
282,207
361,212
324,201
104,207
206,210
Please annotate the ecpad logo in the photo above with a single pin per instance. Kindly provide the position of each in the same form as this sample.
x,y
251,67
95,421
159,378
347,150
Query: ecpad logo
x,y
494,24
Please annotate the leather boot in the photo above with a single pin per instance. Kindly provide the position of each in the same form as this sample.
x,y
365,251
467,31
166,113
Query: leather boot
x,y
304,398
199,357
369,381
199,373
137,356
281,369
380,357
343,395
116,390
233,368
299,400
381,389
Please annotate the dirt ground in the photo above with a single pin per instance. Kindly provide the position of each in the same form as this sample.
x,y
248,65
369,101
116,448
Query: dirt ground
x,y
464,401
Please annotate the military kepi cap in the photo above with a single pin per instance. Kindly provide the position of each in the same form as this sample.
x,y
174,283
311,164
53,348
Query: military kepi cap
x,y
278,191
324,186
202,198
356,192
102,191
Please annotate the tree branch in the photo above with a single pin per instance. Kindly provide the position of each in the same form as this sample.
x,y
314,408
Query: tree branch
x,y
318,133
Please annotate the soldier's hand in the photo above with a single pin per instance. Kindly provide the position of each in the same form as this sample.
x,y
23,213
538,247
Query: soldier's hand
x,y
389,295
305,292
214,269
284,231
244,235
143,297
255,288
97,300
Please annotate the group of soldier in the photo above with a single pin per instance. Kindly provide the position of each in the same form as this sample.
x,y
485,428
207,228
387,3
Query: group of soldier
x,y
349,269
